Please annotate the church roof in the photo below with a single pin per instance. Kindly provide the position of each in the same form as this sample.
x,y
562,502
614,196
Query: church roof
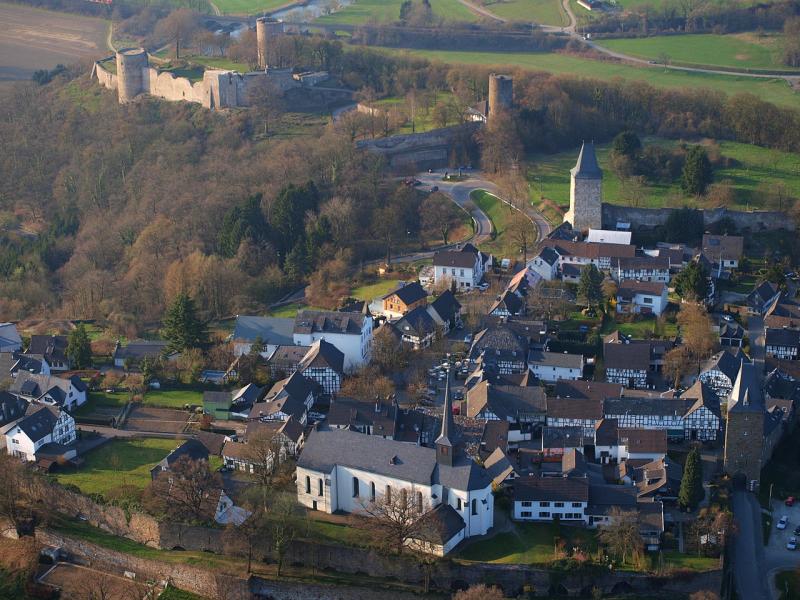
x,y
587,167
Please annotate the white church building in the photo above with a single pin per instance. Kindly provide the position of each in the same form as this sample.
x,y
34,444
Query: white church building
x,y
341,470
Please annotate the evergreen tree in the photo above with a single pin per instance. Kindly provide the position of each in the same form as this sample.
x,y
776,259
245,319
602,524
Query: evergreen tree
x,y
627,144
590,286
183,329
239,223
691,492
696,171
79,348
692,282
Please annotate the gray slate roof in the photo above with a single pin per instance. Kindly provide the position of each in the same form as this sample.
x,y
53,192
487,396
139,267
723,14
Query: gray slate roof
x,y
418,322
323,354
587,167
9,336
140,349
271,330
39,421
746,393
409,293
325,321
556,359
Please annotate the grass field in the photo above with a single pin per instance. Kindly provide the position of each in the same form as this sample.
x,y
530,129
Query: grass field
x,y
529,543
500,214
773,90
423,120
364,11
546,12
374,290
218,62
173,398
755,167
103,400
247,7
743,51
119,462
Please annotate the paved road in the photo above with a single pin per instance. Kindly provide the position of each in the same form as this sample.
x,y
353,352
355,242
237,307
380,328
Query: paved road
x,y
748,551
776,557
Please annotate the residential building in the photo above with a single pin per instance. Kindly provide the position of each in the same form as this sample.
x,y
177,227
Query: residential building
x,y
10,340
446,312
780,391
418,328
668,414
659,479
579,254
641,268
403,300
286,359
30,363
719,372
191,449
552,366
54,350
508,304
265,441
68,394
783,312
340,470
515,404
545,264
609,236
132,355
764,295
703,418
641,297
495,435
556,441
466,267
547,498
324,363
731,334
45,432
723,251
269,332
231,404
627,363
583,413
12,407
744,430
499,467
350,332
290,397
783,343
501,349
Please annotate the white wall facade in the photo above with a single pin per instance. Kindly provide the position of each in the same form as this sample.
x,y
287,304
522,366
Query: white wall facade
x,y
551,373
533,510
357,349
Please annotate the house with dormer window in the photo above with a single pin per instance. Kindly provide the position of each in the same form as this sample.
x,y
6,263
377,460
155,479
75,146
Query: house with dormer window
x,y
44,432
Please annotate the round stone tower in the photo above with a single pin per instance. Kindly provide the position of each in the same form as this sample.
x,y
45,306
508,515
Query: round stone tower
x,y
266,30
131,63
501,93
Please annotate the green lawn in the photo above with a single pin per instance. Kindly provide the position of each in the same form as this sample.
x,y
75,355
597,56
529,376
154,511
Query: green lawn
x,y
640,329
423,118
248,7
529,543
173,398
99,399
119,462
218,62
676,560
773,90
364,11
753,168
173,593
546,12
374,290
500,214
742,51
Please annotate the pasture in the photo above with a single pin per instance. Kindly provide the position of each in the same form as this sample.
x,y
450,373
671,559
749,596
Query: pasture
x,y
545,12
775,90
248,7
752,170
501,215
740,51
366,11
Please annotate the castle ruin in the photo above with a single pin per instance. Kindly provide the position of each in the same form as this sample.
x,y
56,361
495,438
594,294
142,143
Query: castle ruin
x,y
501,94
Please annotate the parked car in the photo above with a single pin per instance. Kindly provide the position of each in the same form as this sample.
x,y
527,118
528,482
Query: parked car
x,y
797,530
728,318
789,501
792,543
784,521
483,287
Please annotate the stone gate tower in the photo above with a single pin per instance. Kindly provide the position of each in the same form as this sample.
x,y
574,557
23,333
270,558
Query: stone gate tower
x,y
744,433
501,94
266,31
131,66
586,191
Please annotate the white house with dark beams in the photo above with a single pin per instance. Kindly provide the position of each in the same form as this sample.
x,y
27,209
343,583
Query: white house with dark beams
x,y
720,371
340,470
49,389
552,366
783,343
350,332
324,363
44,430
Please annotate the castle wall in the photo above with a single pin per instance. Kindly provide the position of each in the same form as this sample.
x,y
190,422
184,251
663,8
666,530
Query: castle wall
x,y
104,77
131,73
650,218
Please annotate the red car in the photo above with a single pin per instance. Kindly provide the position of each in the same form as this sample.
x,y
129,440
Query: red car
x,y
789,501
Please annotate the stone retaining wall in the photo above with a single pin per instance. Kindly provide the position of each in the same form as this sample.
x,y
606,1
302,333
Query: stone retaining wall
x,y
656,217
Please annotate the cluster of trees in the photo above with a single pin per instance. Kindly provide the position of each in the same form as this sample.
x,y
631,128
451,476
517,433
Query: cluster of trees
x,y
791,42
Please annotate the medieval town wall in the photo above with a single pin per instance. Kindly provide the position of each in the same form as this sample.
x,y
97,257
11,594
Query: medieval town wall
x,y
656,217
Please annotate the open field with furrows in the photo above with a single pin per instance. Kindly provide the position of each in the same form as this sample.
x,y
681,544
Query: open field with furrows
x,y
365,11
739,51
755,170
774,90
32,39
544,12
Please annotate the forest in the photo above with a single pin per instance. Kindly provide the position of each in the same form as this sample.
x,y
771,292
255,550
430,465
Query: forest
x,y
110,211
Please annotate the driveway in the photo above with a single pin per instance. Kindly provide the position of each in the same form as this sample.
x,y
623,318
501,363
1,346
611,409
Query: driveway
x,y
748,548
755,332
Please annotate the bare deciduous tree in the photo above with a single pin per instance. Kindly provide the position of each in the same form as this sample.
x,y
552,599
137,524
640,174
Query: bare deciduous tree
x,y
621,536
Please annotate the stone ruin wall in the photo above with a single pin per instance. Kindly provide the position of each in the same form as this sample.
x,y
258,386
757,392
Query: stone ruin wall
x,y
650,218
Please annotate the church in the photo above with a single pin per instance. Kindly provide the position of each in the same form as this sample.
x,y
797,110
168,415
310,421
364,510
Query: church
x,y
346,471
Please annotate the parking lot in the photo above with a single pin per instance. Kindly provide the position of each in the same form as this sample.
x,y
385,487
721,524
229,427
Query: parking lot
x,y
776,548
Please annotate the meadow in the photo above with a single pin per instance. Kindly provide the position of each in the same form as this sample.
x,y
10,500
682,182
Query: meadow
x,y
742,51
365,11
501,215
754,169
248,7
545,12
773,90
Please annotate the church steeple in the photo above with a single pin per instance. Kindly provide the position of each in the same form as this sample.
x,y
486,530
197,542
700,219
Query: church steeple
x,y
445,447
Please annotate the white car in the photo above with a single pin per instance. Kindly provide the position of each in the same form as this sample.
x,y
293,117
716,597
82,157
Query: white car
x,y
792,543
784,521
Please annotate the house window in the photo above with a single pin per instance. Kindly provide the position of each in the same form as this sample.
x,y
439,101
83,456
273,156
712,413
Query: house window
x,y
576,505
462,272
458,504
559,505
308,484
545,503
527,504
544,515
388,493
419,502
355,487
647,300
474,506
372,491
319,487
525,514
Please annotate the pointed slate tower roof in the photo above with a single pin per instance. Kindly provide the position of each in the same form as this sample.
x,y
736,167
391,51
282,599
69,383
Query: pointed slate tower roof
x,y
746,392
445,443
587,167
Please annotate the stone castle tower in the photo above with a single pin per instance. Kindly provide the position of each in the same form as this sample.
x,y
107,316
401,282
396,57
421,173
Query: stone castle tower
x,y
744,433
501,94
586,191
266,31
131,66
